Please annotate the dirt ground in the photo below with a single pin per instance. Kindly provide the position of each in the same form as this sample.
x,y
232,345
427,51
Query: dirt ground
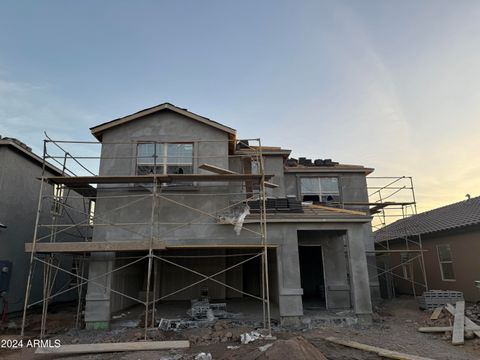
x,y
394,328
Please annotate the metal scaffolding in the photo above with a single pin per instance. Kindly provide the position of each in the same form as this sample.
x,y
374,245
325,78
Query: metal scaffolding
x,y
78,187
392,199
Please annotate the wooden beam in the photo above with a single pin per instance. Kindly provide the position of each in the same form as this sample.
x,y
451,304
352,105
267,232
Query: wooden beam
x,y
114,347
376,350
459,323
270,185
440,329
148,179
395,251
96,246
436,313
222,171
334,209
468,322
216,169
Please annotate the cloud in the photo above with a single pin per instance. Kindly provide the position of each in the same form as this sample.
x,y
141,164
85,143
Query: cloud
x,y
27,110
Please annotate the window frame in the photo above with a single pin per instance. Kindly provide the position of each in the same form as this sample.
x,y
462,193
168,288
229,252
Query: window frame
x,y
58,199
441,262
307,176
164,162
407,266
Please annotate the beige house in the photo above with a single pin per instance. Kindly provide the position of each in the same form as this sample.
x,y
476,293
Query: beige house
x,y
450,236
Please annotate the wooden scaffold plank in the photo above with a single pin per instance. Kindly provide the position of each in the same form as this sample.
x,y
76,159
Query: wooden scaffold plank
x,y
114,347
458,323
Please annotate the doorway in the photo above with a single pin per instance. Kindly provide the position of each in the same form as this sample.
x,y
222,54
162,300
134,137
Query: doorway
x,y
312,276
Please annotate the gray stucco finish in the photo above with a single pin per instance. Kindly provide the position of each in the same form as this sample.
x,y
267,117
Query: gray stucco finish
x,y
20,189
345,251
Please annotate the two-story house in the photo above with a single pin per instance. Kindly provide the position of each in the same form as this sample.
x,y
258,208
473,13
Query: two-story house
x,y
317,223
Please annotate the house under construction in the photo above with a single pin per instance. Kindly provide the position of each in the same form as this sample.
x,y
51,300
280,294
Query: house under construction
x,y
182,209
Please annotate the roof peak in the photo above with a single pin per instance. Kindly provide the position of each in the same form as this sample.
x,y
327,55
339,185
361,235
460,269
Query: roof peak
x,y
98,130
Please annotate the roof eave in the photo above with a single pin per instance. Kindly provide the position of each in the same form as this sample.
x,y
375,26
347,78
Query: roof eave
x,y
98,130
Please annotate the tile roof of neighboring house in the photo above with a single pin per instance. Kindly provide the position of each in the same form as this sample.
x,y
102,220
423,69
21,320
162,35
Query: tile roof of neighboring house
x,y
461,214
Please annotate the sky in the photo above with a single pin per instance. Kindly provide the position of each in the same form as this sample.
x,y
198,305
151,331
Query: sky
x,y
392,85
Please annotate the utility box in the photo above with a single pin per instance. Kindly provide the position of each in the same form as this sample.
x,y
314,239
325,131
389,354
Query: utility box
x,y
5,274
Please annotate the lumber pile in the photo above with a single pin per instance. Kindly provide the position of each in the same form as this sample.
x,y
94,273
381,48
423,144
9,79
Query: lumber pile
x,y
460,326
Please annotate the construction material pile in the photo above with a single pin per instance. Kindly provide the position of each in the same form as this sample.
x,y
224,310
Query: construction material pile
x,y
432,299
453,323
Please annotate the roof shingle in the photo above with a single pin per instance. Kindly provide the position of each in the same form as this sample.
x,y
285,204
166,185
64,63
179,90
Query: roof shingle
x,y
461,214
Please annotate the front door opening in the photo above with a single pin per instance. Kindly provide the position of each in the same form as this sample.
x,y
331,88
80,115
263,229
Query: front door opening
x,y
312,278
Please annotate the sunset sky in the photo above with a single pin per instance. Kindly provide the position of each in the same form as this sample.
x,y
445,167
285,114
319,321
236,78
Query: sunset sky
x,y
393,85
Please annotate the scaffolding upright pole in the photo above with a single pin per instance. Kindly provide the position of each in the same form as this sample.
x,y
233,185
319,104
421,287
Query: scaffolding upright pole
x,y
263,226
150,254
34,242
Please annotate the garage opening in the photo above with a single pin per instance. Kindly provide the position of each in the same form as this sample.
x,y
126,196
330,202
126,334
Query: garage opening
x,y
312,276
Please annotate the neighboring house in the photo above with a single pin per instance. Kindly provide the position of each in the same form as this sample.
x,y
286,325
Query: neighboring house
x,y
20,170
450,236
317,257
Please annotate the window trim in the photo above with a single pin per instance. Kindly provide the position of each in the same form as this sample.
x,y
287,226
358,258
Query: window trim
x,y
164,156
407,266
440,262
299,184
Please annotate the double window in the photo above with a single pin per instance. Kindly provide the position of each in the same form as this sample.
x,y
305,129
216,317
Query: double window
x,y
446,263
164,158
320,189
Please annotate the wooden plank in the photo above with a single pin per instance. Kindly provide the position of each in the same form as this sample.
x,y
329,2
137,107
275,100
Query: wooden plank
x,y
114,347
146,179
216,169
373,349
436,313
222,171
97,246
395,251
459,323
344,211
436,329
469,323
270,185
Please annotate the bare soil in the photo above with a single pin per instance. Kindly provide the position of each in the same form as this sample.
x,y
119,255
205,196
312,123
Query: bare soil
x,y
394,328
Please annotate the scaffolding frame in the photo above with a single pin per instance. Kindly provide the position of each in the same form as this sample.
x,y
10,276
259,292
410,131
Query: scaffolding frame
x,y
391,199
79,187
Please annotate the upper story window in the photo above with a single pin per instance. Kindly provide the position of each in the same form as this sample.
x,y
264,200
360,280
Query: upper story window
x,y
319,189
164,158
446,262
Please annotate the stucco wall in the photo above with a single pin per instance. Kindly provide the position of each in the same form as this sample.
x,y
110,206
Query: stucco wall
x,y
18,210
464,246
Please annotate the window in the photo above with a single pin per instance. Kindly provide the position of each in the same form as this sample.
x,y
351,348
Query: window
x,y
91,212
446,263
406,266
164,158
58,191
320,189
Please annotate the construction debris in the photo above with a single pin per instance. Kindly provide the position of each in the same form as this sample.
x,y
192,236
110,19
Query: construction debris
x,y
203,356
433,299
250,337
463,327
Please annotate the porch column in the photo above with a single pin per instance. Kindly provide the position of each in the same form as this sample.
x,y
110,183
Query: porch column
x,y
97,307
360,286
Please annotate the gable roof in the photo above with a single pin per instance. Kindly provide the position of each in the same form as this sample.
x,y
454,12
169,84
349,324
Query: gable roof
x,y
26,152
453,216
98,130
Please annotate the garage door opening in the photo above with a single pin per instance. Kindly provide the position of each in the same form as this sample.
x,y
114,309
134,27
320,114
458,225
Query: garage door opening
x,y
312,277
